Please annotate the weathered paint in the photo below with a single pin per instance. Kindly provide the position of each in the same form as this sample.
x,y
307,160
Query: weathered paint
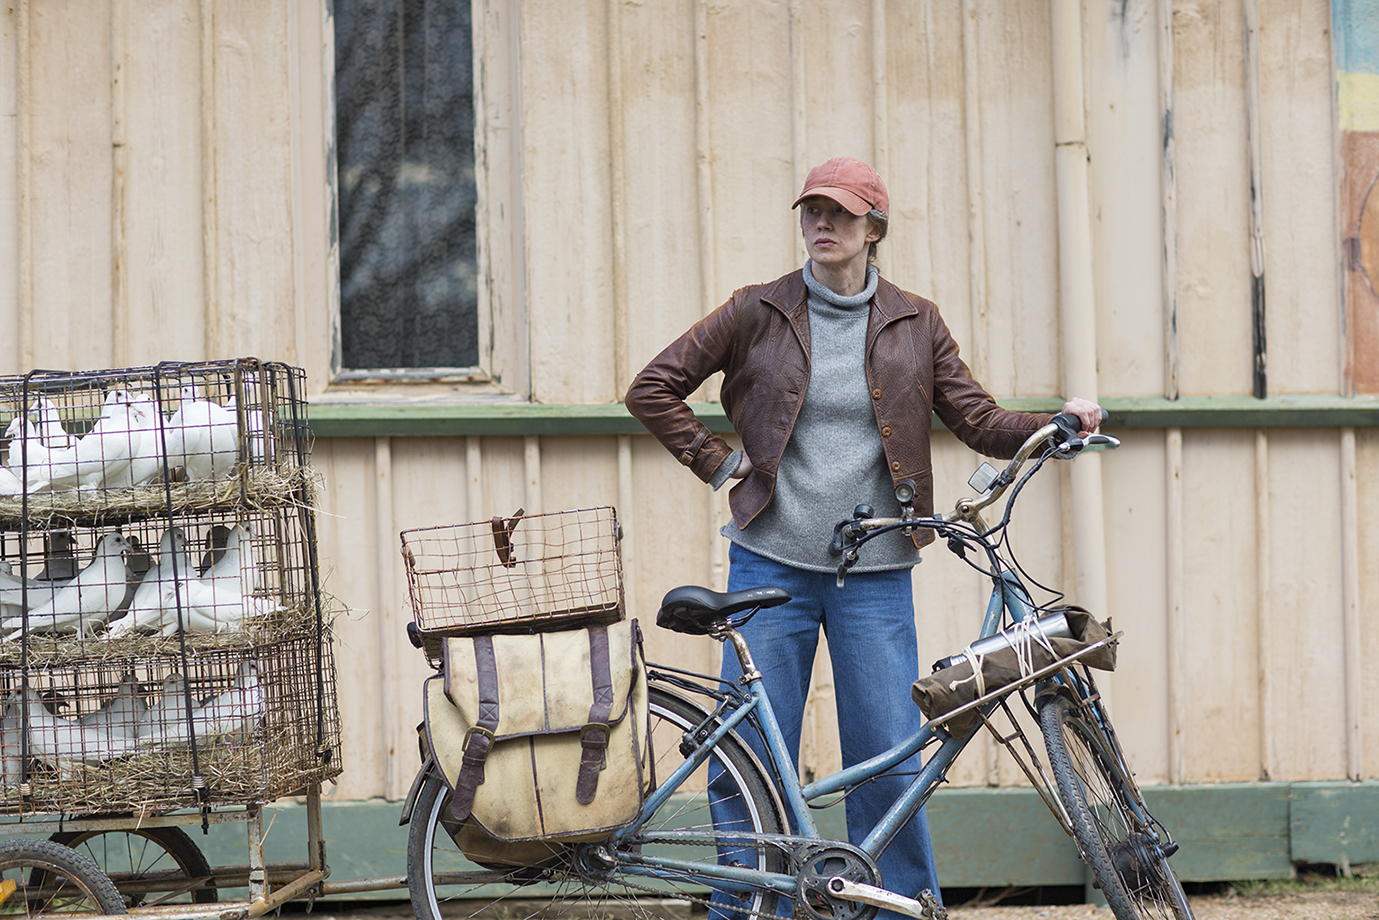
x,y
1356,26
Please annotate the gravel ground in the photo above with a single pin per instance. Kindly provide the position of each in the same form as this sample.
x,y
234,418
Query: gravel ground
x,y
1311,905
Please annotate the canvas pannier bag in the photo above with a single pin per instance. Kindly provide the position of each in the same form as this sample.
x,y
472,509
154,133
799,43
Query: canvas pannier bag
x,y
540,737
958,684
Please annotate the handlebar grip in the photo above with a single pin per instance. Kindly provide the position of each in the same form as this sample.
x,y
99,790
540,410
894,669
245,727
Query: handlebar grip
x,y
1068,425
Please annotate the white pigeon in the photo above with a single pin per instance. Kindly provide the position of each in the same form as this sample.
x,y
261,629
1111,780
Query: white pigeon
x,y
28,460
119,446
166,716
146,607
65,743
87,600
237,709
104,450
236,561
14,591
121,715
211,606
137,563
50,430
202,437
146,458
222,597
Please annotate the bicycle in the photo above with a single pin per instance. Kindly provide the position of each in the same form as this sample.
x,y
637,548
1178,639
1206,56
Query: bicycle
x,y
774,855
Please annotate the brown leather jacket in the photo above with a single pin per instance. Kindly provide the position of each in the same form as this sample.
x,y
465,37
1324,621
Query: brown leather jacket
x,y
759,339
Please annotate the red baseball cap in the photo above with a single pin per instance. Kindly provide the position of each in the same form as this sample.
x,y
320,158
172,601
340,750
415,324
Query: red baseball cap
x,y
850,182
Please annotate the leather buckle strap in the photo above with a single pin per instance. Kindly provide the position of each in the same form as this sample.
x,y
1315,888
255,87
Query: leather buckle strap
x,y
593,737
478,740
688,455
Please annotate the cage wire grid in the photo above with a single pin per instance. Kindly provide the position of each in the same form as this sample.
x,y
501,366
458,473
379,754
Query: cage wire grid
x,y
156,526
540,571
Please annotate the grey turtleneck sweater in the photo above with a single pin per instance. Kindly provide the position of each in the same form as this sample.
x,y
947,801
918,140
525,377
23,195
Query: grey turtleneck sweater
x,y
834,459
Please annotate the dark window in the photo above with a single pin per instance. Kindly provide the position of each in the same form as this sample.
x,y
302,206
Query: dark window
x,y
405,147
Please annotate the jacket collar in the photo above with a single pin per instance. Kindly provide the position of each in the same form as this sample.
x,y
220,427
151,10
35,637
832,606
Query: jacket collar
x,y
789,295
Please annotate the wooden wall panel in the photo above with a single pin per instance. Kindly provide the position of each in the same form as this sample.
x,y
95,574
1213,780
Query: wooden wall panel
x,y
835,76
1135,524
1304,657
657,222
1213,199
1300,182
566,182
752,101
1367,484
349,573
1221,738
927,175
253,271
12,269
1126,137
1021,221
69,186
157,195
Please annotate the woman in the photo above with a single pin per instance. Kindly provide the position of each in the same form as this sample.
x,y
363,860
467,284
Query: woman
x,y
830,374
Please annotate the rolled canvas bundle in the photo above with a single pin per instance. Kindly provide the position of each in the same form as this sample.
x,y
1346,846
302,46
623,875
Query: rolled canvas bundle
x,y
1008,657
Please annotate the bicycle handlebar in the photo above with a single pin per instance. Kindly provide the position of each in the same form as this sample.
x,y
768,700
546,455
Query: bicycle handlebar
x,y
1063,427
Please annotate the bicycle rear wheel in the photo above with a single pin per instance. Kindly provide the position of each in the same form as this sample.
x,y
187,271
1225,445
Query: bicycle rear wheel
x,y
1121,843
71,884
570,881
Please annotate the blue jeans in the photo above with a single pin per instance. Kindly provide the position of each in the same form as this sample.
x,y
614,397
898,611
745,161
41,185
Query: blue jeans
x,y
870,627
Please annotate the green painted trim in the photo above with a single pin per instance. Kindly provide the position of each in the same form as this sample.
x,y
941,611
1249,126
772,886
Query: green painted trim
x,y
368,420
982,837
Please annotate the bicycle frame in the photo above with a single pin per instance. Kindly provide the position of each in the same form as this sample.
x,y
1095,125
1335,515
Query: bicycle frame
x,y
1008,596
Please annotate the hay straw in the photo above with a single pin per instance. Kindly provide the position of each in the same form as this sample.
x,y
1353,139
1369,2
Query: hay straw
x,y
256,488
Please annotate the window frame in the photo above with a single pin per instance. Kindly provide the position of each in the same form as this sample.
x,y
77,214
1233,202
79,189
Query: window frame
x,y
499,225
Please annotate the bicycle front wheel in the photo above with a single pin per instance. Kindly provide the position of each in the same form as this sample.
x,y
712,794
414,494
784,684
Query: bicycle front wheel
x,y
69,883
574,880
1117,838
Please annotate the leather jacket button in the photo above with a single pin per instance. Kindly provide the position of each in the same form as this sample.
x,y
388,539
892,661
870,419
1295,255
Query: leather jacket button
x,y
885,432
895,467
875,394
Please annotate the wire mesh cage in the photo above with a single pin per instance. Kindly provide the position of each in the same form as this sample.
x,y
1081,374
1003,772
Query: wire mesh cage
x,y
136,440
540,571
163,641
224,726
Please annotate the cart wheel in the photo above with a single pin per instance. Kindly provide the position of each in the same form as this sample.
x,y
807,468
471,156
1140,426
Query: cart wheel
x,y
39,877
149,866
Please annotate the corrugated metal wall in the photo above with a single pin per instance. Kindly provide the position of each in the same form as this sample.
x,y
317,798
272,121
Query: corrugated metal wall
x,y
170,164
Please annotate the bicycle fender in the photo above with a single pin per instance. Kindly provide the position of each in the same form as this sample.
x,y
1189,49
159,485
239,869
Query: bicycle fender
x,y
426,767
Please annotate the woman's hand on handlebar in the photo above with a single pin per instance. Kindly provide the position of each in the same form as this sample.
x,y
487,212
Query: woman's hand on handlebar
x,y
1088,413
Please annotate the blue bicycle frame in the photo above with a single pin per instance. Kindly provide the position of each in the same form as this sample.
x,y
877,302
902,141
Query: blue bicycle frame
x,y
1008,596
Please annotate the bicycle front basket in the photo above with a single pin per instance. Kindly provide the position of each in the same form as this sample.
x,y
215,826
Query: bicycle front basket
x,y
534,572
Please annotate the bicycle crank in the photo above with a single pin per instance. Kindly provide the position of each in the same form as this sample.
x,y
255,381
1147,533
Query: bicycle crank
x,y
926,908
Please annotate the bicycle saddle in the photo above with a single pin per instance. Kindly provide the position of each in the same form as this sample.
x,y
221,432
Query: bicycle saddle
x,y
691,609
